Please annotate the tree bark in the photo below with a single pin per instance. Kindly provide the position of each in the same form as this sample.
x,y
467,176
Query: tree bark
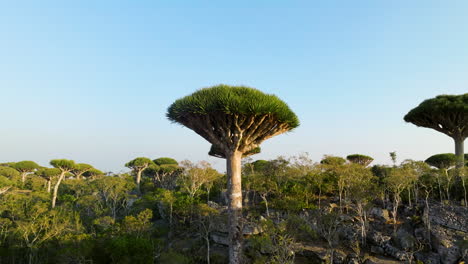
x,y
138,179
54,195
460,152
264,198
233,161
23,177
49,183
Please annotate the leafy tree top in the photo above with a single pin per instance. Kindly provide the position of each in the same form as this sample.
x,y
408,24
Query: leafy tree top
x,y
63,164
234,118
360,159
260,165
442,161
445,113
333,160
233,100
93,172
8,172
25,166
139,163
165,161
48,173
81,167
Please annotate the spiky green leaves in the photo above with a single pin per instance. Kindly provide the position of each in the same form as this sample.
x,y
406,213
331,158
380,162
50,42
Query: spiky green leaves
x,y
48,173
360,159
232,100
25,166
139,163
442,161
63,164
445,113
233,118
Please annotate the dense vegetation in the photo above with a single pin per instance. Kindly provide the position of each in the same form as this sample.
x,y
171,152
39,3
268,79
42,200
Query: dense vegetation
x,y
102,218
285,210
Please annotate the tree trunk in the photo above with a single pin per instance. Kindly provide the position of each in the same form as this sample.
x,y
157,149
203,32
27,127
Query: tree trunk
x,y
440,188
464,189
266,203
447,188
233,161
23,177
207,238
54,195
49,183
320,196
138,179
459,151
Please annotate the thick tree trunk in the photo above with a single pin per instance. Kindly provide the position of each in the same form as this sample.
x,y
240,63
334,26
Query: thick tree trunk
x,y
460,152
233,162
23,177
54,195
138,179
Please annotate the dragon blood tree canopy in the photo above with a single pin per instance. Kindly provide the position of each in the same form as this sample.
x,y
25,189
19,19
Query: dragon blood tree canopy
x,y
233,118
447,114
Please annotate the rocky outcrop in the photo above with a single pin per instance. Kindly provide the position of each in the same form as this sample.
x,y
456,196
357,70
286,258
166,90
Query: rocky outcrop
x,y
453,217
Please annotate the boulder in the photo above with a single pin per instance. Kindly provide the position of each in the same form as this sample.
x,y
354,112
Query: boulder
x,y
220,238
444,243
380,214
427,257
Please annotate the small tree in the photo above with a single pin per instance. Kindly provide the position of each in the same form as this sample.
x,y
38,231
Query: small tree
x,y
360,159
65,166
138,165
80,169
92,173
396,182
361,189
25,167
444,162
236,120
48,174
165,172
447,114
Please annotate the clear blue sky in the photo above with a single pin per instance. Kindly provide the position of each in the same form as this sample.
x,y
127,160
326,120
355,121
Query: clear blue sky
x,y
91,80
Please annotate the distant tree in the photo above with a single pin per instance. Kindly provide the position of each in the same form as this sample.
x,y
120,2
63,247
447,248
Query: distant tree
x,y
236,120
9,172
65,166
332,160
393,157
138,165
396,182
79,169
92,173
48,174
206,217
361,190
114,193
25,167
195,176
164,172
444,162
360,159
447,114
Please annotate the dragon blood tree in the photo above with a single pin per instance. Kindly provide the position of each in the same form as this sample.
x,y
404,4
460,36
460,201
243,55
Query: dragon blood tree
x,y
447,114
235,120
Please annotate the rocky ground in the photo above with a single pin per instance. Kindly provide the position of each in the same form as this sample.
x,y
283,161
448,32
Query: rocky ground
x,y
439,235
